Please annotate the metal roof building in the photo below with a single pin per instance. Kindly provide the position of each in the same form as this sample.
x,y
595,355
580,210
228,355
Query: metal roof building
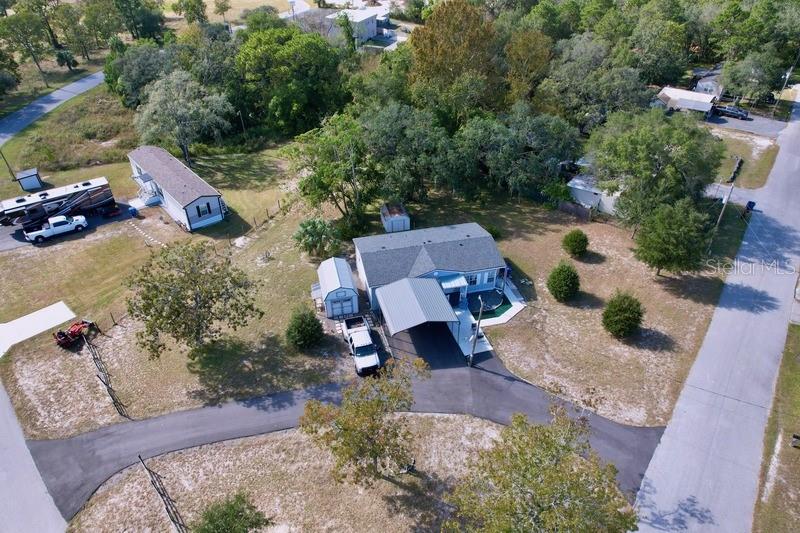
x,y
410,302
336,288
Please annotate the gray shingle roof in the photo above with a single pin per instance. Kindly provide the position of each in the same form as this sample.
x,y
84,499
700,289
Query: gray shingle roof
x,y
171,175
409,254
410,302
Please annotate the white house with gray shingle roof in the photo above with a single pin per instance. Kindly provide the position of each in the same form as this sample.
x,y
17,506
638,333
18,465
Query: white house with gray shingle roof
x,y
462,258
184,195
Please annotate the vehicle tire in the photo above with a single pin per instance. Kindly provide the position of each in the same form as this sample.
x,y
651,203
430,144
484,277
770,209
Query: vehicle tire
x,y
79,228
39,240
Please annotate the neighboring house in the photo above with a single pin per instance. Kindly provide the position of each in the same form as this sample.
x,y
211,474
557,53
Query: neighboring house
x,y
335,290
462,258
394,217
584,190
165,180
709,85
364,21
674,99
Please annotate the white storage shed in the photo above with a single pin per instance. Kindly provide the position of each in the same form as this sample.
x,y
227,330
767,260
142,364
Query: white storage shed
x,y
336,288
395,218
584,190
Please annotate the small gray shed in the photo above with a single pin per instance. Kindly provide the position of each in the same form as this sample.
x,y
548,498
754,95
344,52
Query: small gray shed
x,y
395,218
29,179
336,288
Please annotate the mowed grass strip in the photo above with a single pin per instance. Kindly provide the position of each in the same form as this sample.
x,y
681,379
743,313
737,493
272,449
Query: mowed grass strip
x,y
778,505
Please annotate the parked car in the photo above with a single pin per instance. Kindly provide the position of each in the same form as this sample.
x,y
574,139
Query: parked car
x,y
56,226
731,111
359,340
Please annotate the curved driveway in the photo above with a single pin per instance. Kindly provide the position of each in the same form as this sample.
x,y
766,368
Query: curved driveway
x,y
17,121
74,468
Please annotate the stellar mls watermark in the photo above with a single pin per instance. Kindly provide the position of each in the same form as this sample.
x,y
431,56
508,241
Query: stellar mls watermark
x,y
751,268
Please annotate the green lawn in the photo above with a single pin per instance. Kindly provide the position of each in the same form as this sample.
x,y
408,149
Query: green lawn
x,y
91,129
32,86
757,153
729,235
778,508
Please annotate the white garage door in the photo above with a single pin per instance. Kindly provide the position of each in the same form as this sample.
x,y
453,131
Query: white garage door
x,y
342,307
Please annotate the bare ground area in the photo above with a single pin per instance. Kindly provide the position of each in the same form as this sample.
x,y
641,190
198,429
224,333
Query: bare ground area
x,y
564,348
289,479
56,392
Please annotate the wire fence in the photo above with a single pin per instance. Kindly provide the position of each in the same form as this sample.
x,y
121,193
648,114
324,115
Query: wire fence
x,y
170,507
105,378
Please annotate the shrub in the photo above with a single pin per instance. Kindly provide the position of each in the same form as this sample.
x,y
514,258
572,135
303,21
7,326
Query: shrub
x,y
318,237
575,243
622,315
494,231
233,515
563,282
304,330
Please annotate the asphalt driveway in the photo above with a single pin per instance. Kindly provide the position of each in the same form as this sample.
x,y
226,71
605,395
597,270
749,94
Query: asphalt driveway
x,y
764,126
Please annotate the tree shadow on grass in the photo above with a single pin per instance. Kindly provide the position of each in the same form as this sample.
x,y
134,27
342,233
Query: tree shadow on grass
x,y
231,368
651,340
592,258
585,300
697,288
421,499
239,171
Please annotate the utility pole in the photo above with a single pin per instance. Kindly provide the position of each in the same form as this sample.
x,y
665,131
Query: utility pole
x,y
477,331
719,218
8,166
785,81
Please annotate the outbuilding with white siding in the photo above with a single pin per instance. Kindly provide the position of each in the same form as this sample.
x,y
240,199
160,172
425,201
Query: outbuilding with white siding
x,y
336,289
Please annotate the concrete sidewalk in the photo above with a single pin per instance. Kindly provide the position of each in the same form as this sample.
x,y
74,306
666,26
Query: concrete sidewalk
x,y
704,475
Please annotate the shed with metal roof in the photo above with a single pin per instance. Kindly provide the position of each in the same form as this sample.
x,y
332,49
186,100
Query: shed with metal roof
x,y
336,289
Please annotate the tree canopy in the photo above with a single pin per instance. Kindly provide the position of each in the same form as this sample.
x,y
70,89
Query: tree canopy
x,y
654,159
541,478
189,293
180,110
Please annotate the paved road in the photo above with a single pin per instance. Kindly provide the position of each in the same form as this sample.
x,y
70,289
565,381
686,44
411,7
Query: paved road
x,y
25,504
704,475
74,468
759,125
19,120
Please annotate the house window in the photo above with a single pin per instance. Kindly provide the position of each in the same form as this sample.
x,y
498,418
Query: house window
x,y
472,279
203,210
490,276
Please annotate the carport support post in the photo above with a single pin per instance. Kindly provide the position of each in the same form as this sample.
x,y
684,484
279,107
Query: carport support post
x,y
477,329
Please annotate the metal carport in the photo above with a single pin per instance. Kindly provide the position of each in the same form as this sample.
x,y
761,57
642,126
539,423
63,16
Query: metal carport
x,y
410,302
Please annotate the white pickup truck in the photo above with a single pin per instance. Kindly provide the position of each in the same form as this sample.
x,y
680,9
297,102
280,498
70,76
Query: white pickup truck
x,y
56,226
359,339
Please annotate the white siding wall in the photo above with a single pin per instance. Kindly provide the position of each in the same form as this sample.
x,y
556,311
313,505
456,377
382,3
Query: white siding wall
x,y
214,216
174,208
602,202
341,294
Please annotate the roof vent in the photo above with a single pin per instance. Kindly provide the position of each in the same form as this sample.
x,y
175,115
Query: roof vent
x,y
44,195
383,247
86,183
20,200
467,234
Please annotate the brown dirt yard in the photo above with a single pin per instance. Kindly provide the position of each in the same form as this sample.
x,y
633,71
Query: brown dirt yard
x,y
564,348
55,391
289,479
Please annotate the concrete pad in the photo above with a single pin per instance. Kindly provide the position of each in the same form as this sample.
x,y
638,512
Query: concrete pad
x,y
31,325
517,305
